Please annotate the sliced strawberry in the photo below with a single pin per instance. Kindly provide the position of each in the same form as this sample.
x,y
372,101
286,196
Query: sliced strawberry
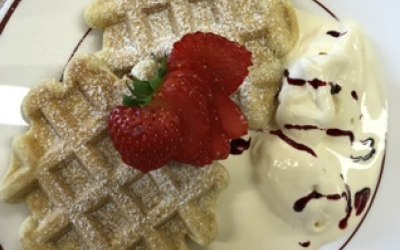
x,y
182,92
146,138
219,141
233,122
220,145
224,63
185,112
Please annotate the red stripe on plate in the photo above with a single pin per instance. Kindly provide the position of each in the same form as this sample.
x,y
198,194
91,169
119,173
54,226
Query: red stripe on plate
x,y
8,15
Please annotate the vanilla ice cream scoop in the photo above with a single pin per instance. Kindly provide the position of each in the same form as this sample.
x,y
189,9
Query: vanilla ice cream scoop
x,y
306,191
322,86
305,164
309,179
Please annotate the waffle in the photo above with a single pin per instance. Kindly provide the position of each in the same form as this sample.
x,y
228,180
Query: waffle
x,y
133,29
80,193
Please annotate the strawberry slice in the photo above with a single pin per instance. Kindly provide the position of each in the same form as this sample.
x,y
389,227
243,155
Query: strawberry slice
x,y
220,145
233,122
182,92
219,141
185,112
224,63
146,138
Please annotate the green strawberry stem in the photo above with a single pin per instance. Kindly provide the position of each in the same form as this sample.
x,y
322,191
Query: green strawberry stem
x,y
142,92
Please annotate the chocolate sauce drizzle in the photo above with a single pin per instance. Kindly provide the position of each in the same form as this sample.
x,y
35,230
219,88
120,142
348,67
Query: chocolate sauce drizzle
x,y
361,199
339,132
349,208
361,196
382,164
301,127
293,81
315,83
305,244
335,88
293,143
354,95
371,143
335,33
370,204
240,145
8,15
301,203
329,131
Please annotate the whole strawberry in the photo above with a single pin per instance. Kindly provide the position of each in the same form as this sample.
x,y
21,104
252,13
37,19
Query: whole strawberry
x,y
146,132
147,137
185,112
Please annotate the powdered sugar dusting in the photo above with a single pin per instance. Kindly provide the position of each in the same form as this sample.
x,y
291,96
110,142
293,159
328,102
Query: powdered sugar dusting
x,y
84,188
76,181
267,28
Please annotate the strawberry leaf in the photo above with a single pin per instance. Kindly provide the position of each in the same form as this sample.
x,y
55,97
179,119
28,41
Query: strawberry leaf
x,y
142,89
162,71
136,102
156,83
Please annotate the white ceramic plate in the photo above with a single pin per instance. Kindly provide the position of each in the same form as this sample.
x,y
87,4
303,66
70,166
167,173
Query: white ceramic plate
x,y
41,35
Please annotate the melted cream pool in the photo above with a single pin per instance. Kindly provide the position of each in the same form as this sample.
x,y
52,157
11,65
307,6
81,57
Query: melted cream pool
x,y
282,196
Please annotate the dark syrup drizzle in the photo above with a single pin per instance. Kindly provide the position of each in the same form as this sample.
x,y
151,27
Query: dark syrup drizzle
x,y
301,127
334,132
335,33
349,208
293,143
335,88
361,199
293,81
301,203
354,95
371,142
8,15
305,244
240,145
339,132
360,203
370,204
315,83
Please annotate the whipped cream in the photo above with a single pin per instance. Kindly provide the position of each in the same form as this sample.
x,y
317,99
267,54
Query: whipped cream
x,y
145,70
310,178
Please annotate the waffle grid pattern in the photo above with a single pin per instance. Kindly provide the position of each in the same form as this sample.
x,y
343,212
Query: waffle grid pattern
x,y
134,29
88,198
139,28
